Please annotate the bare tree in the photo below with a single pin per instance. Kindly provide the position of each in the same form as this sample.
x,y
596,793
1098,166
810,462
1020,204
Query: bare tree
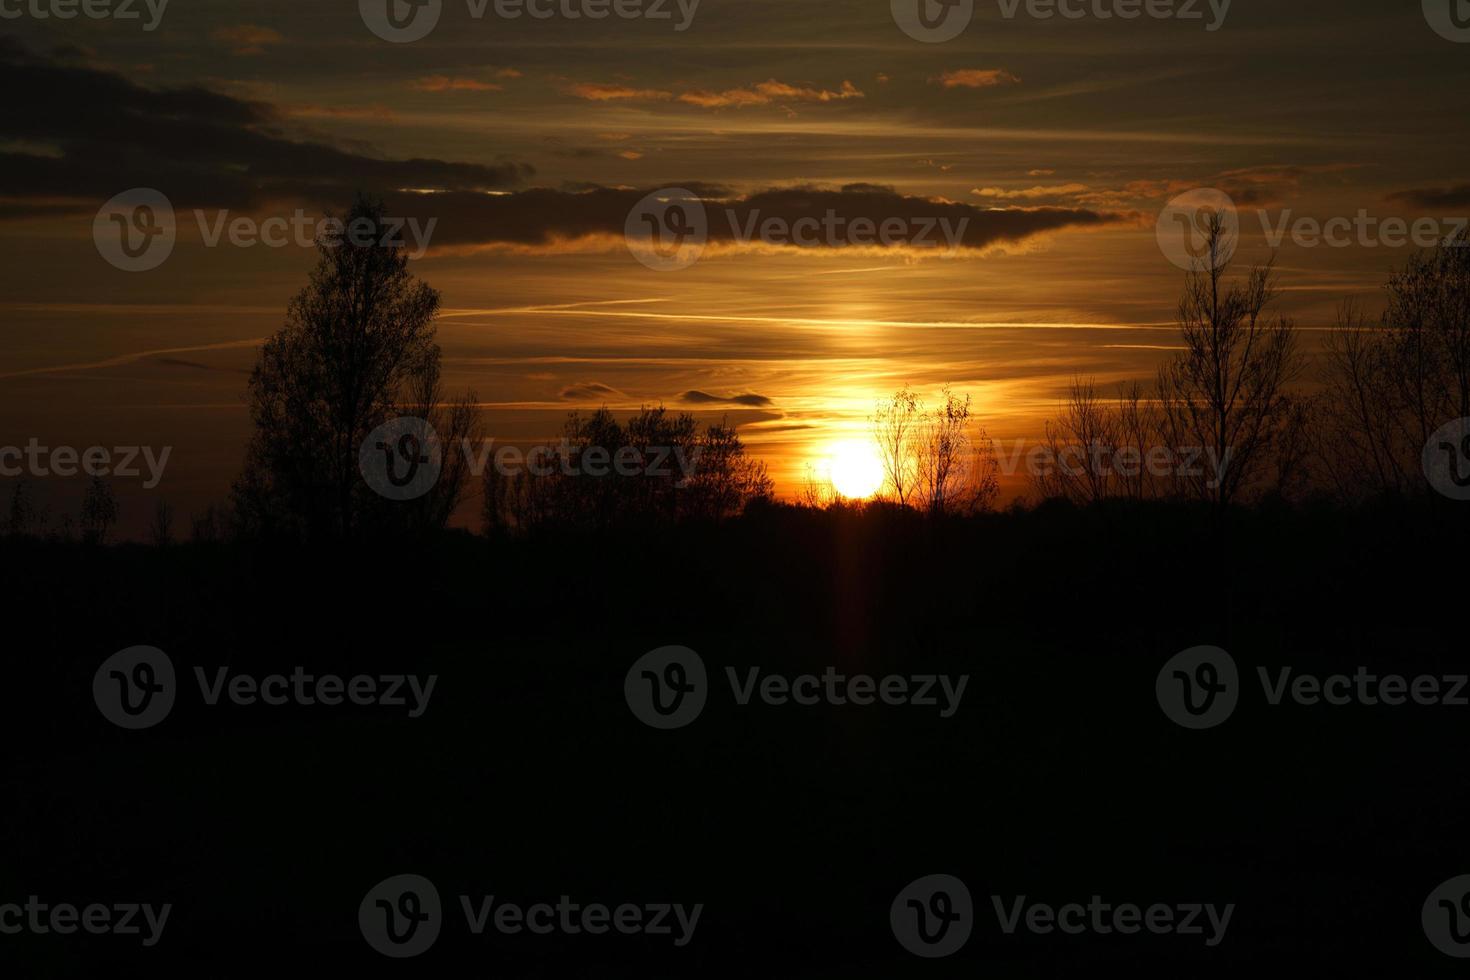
x,y
1226,393
99,511
896,423
1076,443
162,530
1390,383
25,517
816,491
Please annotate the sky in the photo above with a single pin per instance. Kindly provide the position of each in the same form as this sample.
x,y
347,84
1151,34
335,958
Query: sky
x,y
1047,145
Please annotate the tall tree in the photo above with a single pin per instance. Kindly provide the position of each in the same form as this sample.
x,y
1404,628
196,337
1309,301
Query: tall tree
x,y
357,350
1226,392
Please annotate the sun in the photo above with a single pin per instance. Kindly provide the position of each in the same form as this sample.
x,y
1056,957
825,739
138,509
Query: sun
x,y
857,472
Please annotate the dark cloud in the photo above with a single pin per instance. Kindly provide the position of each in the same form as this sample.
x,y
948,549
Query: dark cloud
x,y
104,134
588,391
549,217
1434,198
749,400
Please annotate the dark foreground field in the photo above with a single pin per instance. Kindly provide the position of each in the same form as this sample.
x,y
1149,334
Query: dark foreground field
x,y
528,777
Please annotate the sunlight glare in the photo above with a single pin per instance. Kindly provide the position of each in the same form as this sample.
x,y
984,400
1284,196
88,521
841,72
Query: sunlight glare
x,y
857,472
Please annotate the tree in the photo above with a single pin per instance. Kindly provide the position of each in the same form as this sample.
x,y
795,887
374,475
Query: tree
x,y
24,518
1075,443
357,350
655,468
1391,382
940,461
162,530
99,511
895,427
1226,393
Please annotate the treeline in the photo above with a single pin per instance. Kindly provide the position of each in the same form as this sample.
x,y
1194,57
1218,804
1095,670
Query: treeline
x,y
1358,429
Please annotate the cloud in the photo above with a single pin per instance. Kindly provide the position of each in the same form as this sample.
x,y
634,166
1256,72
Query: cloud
x,y
617,93
201,148
975,78
444,83
247,39
749,400
1434,198
1032,193
768,92
588,391
595,216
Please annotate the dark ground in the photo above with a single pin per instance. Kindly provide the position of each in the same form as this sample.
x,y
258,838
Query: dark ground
x,y
528,777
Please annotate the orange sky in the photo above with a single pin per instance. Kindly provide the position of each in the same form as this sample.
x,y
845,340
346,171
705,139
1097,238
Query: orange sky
x,y
1281,108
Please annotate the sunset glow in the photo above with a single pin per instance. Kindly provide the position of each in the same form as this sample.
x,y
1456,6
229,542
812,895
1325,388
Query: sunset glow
x,y
856,471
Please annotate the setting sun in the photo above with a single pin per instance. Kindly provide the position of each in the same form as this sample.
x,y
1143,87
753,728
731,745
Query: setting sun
x,y
856,470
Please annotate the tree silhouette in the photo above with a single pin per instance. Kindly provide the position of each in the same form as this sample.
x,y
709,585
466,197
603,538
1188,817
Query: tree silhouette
x,y
1226,393
357,350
